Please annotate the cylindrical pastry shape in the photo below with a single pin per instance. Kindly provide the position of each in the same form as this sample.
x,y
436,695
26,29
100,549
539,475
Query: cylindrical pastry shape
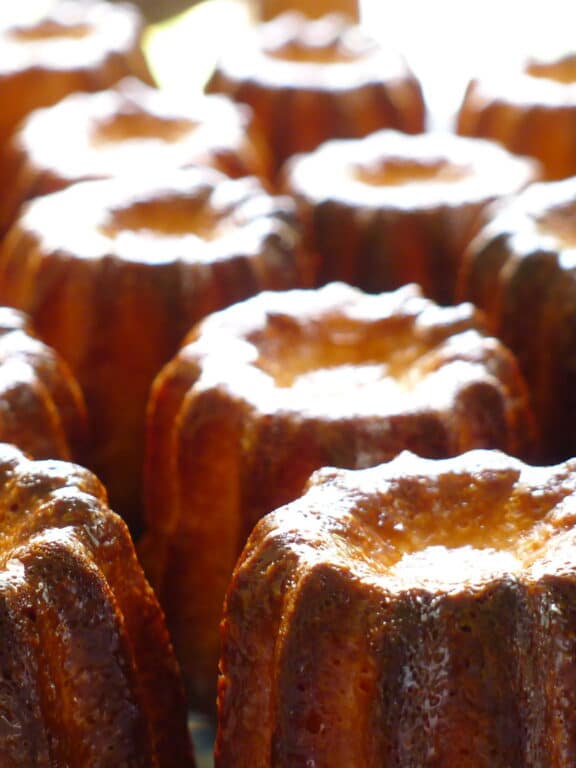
x,y
521,271
75,46
89,676
42,409
269,390
416,613
391,209
531,111
119,132
115,272
312,80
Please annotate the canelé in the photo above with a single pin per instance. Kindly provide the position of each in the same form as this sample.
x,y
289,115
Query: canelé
x,y
42,409
269,9
265,392
74,46
531,111
115,272
521,270
89,677
118,132
311,80
416,613
391,208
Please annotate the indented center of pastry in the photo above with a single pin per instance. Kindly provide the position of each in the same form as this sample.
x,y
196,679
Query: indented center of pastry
x,y
561,70
339,359
402,171
49,30
343,381
165,216
462,511
448,568
140,125
298,51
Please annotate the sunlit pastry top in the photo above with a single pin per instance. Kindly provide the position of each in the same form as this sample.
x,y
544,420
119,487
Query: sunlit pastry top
x,y
541,218
70,35
134,126
293,51
188,215
336,352
435,525
394,169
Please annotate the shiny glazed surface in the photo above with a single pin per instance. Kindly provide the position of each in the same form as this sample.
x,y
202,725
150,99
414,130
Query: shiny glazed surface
x,y
116,287
414,613
88,674
269,390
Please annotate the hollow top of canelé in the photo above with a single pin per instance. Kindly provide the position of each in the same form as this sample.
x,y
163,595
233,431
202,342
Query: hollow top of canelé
x,y
416,523
540,218
556,68
398,170
337,352
545,79
294,51
70,35
182,215
133,126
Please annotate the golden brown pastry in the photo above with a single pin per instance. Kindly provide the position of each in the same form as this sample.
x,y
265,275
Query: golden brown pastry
x,y
42,409
88,673
75,46
416,613
531,111
311,80
120,131
115,272
521,271
391,208
265,392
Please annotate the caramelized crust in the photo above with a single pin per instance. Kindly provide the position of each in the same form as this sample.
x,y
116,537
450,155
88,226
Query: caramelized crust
x,y
115,286
531,111
524,258
265,392
120,131
85,46
416,610
309,81
42,409
89,676
391,209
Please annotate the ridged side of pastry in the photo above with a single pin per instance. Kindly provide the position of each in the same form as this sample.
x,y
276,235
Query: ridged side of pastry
x,y
520,271
94,680
312,80
264,393
391,208
42,409
99,43
116,293
421,611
